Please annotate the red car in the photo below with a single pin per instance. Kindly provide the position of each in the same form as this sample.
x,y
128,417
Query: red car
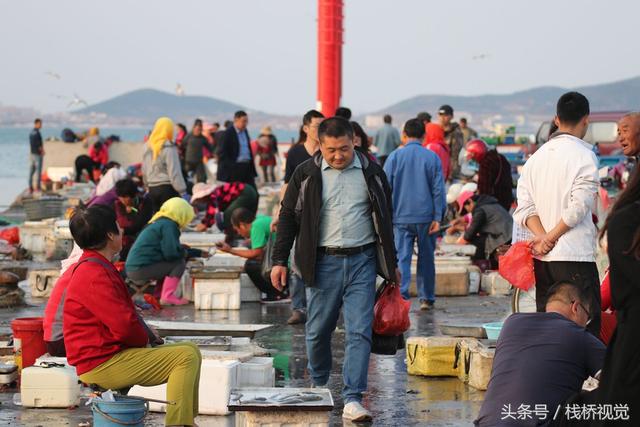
x,y
603,130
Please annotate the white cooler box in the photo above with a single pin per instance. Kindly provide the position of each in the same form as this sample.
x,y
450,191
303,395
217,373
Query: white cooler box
x,y
217,378
55,387
257,372
216,291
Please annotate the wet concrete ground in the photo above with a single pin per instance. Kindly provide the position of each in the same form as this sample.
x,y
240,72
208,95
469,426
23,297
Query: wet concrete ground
x,y
394,397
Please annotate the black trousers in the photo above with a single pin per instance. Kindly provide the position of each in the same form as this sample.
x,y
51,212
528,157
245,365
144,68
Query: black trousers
x,y
84,163
161,194
253,268
583,274
198,170
243,172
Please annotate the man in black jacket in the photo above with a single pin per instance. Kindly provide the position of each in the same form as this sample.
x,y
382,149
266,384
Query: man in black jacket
x,y
235,159
337,208
36,155
195,142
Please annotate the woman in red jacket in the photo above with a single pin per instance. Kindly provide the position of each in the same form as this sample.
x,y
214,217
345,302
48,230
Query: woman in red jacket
x,y
105,338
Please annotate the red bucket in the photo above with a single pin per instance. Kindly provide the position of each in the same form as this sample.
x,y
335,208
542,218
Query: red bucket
x,y
28,340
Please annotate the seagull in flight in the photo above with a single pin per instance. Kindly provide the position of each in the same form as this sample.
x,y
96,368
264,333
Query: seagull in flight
x,y
481,57
179,89
53,75
77,101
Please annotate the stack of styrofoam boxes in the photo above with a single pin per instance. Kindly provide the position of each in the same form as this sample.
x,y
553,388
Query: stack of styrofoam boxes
x,y
494,284
33,235
217,290
455,276
218,377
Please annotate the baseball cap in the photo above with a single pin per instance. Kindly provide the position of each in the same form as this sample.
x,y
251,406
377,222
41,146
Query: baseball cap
x,y
446,110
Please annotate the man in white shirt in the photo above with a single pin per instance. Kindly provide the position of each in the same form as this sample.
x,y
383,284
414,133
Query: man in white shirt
x,y
556,196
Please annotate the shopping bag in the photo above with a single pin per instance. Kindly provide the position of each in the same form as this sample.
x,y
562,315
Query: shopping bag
x,y
267,263
516,266
391,312
11,235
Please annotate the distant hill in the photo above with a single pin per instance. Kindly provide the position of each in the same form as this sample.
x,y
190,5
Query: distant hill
x,y
149,104
532,103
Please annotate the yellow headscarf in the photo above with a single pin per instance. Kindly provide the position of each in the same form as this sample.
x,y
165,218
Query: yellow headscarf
x,y
176,209
94,132
162,132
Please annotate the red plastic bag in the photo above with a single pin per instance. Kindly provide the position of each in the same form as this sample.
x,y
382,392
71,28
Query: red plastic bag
x,y
11,235
391,312
516,266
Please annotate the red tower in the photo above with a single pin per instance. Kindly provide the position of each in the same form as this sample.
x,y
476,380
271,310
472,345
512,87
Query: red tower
x,y
329,55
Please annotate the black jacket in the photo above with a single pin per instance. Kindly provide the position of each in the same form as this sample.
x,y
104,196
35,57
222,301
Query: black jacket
x,y
194,145
35,141
300,218
228,150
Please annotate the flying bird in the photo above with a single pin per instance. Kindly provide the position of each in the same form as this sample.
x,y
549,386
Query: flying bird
x,y
56,96
53,75
179,89
481,57
77,101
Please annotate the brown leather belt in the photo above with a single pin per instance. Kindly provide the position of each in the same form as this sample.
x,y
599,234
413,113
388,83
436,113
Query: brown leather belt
x,y
330,250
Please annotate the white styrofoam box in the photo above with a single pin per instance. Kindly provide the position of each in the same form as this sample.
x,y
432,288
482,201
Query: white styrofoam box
x,y
452,260
217,294
217,378
33,233
257,372
457,249
475,277
282,419
494,284
61,229
201,240
221,259
239,356
9,378
248,291
55,387
57,174
57,248
42,282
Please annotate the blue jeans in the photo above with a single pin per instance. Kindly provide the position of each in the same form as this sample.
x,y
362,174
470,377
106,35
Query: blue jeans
x,y
405,235
297,293
36,167
348,282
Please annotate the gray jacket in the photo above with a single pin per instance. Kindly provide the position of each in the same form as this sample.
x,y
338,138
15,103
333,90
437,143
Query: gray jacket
x,y
491,220
165,169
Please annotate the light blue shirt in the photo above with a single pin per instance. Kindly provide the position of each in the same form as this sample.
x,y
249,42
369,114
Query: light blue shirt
x,y
244,155
345,217
387,139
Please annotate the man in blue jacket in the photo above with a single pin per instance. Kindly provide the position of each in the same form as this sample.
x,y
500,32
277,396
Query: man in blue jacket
x,y
418,196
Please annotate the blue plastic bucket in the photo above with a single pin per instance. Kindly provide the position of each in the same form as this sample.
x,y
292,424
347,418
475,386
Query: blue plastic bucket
x,y
123,412
493,330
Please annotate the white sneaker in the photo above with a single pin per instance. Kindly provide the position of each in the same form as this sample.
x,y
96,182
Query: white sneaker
x,y
354,411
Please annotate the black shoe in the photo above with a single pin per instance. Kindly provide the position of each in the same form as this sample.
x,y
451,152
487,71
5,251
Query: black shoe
x,y
297,317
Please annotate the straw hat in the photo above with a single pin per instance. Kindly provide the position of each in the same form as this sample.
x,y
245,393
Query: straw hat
x,y
266,131
201,190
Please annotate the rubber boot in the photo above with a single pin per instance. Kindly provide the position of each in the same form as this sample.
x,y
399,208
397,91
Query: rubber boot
x,y
168,288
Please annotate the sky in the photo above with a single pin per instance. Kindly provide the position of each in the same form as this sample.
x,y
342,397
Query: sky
x,y
262,53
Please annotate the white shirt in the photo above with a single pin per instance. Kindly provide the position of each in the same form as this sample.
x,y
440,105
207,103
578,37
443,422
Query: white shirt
x,y
560,181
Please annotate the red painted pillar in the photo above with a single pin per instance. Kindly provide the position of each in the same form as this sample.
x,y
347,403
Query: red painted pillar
x,y
329,55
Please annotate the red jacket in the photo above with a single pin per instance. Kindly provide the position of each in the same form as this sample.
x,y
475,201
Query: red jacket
x,y
99,318
442,150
